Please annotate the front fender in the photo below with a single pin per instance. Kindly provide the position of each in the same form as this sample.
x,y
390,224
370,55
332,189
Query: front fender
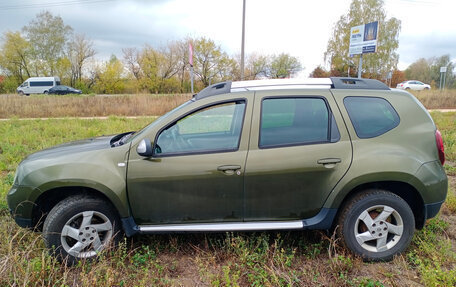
x,y
101,170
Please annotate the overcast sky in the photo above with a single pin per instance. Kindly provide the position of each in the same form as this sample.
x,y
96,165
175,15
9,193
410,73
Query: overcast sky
x,y
298,27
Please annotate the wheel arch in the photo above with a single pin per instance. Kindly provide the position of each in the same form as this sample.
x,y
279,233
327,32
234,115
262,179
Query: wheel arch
x,y
49,198
404,190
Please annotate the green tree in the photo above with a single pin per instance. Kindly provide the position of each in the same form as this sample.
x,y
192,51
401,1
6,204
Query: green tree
x,y
283,66
47,35
109,78
256,66
149,62
436,64
419,70
428,71
374,64
15,56
63,70
211,64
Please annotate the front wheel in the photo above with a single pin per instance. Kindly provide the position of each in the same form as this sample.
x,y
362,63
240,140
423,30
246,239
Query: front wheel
x,y
46,92
376,225
79,227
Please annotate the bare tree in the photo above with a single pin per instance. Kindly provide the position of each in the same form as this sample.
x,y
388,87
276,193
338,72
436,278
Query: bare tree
x,y
80,49
131,57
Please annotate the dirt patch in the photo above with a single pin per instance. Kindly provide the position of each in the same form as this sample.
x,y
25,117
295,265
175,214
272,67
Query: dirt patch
x,y
182,269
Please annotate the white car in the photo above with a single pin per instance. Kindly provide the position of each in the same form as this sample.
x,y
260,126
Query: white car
x,y
413,85
37,85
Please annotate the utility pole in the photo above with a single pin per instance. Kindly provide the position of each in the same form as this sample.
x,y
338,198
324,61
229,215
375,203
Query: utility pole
x,y
243,40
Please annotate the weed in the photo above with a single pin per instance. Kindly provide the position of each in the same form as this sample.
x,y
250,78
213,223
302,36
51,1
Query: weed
x,y
231,259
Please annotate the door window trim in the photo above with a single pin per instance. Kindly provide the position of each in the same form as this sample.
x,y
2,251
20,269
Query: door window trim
x,y
155,155
330,119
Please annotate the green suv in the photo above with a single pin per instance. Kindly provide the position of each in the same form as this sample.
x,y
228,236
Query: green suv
x,y
342,154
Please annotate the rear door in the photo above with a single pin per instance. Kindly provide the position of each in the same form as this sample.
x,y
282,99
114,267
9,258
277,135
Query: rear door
x,y
299,149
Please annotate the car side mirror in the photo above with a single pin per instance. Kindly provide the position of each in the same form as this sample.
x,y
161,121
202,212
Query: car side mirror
x,y
145,148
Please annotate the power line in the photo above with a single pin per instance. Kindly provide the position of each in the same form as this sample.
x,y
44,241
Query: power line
x,y
50,4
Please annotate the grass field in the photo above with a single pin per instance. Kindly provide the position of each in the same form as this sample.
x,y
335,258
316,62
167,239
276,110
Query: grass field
x,y
227,259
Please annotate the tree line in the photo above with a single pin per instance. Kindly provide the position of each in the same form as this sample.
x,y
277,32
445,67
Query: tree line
x,y
49,47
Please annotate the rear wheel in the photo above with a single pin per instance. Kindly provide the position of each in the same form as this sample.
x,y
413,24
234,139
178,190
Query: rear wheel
x,y
376,225
79,227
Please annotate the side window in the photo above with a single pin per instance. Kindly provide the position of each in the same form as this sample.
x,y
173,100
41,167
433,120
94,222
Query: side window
x,y
212,129
293,121
371,117
41,84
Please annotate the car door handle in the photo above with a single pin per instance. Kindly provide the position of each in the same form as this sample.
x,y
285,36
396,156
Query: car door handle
x,y
329,162
230,169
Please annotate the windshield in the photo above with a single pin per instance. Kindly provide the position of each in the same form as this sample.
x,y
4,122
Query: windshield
x,y
157,121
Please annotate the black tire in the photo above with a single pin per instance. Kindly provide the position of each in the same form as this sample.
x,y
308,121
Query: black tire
x,y
27,95
21,93
79,227
382,241
46,92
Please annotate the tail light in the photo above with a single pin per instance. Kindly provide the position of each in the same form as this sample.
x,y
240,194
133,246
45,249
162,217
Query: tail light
x,y
440,148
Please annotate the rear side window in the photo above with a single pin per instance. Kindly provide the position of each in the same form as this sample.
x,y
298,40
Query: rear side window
x,y
294,121
371,117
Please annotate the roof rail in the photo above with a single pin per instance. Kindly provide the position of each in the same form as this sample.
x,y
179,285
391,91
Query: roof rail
x,y
215,89
356,83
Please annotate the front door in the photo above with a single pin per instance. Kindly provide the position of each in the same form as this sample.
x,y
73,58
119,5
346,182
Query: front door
x,y
197,171
299,150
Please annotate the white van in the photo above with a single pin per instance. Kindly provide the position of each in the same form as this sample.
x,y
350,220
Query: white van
x,y
37,85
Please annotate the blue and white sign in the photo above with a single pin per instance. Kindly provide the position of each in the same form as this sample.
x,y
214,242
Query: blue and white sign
x,y
363,39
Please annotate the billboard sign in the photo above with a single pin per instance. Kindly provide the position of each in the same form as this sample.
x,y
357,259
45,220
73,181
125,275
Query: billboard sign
x,y
363,39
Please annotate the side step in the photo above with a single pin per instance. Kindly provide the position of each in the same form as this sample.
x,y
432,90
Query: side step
x,y
217,227
323,220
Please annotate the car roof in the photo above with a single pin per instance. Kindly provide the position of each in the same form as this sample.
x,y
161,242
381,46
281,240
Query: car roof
x,y
280,84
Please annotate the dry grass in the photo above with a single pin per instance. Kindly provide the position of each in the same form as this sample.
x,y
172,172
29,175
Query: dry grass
x,y
40,106
436,99
87,106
